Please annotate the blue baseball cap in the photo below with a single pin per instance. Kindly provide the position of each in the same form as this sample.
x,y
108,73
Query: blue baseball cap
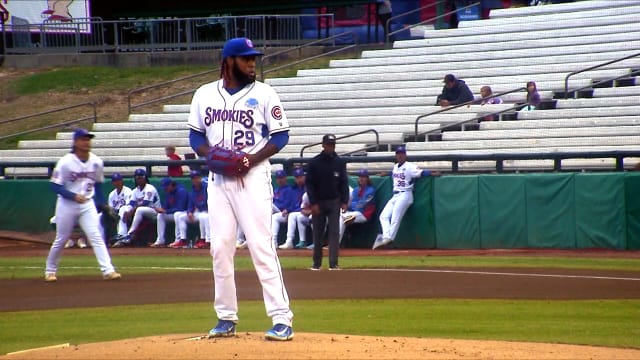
x,y
194,173
140,172
165,182
401,149
281,174
298,172
239,47
116,176
81,133
363,172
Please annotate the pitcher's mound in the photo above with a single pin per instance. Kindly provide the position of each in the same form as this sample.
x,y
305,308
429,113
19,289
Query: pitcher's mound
x,y
318,346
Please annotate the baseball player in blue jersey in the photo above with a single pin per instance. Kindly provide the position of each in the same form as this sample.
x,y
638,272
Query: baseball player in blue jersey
x,y
404,175
174,206
297,190
283,200
197,211
239,113
77,179
144,201
362,206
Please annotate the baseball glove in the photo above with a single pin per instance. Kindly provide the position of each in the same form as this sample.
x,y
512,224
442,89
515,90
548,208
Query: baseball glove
x,y
227,162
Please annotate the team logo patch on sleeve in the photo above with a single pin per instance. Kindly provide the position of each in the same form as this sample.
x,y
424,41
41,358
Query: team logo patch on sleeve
x,y
276,112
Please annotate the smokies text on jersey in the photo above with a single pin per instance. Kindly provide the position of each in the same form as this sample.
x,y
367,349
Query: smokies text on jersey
x,y
401,175
82,175
243,117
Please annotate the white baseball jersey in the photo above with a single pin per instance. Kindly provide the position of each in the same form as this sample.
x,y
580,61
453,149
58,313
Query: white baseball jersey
x,y
77,176
404,176
242,121
118,200
147,196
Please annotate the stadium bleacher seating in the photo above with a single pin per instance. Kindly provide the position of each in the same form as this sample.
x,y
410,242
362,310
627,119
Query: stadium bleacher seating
x,y
386,90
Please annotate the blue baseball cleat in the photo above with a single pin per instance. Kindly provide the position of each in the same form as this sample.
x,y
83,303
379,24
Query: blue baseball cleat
x,y
224,328
279,332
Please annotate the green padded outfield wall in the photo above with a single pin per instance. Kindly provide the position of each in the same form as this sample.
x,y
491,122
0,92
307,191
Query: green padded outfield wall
x,y
548,210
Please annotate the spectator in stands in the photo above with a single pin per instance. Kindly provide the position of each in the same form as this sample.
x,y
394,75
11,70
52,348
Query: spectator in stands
x,y
328,191
173,170
384,14
362,206
174,206
636,167
283,200
533,98
454,92
144,201
297,190
485,93
197,211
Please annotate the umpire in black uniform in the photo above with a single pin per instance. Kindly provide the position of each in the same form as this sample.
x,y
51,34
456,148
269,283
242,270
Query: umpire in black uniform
x,y
328,192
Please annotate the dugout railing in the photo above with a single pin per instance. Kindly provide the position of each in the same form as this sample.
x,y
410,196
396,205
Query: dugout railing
x,y
290,163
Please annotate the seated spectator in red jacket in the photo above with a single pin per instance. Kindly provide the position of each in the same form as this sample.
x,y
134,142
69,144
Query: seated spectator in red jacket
x,y
454,92
173,170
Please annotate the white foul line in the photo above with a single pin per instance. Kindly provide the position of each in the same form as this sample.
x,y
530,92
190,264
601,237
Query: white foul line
x,y
508,274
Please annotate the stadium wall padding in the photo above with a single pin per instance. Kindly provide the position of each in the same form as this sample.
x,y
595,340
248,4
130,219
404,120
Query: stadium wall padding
x,y
545,210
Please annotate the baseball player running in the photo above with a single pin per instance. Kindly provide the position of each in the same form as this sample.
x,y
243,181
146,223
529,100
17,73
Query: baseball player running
x,y
119,200
77,179
241,114
403,175
144,201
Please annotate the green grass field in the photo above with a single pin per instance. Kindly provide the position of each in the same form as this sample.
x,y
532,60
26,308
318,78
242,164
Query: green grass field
x,y
593,322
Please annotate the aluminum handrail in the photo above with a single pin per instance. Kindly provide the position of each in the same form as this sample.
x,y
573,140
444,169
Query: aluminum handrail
x,y
388,22
305,45
344,137
130,93
566,79
471,102
93,117
474,119
426,21
575,91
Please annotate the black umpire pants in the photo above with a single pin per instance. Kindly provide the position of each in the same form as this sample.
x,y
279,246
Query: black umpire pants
x,y
329,217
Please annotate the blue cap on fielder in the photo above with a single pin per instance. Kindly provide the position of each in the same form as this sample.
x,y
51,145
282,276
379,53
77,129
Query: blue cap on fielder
x,y
281,174
239,47
81,133
116,176
165,182
363,172
401,149
140,172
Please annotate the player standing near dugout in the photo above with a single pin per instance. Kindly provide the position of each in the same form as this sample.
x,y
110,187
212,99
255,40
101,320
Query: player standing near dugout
x,y
404,175
77,179
328,191
239,116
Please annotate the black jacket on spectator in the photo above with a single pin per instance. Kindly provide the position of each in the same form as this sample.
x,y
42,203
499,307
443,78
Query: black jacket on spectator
x,y
327,179
458,94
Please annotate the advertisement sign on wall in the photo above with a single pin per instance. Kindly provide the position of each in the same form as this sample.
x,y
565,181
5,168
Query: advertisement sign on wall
x,y
49,12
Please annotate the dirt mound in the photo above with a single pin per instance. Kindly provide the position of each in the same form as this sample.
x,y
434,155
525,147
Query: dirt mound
x,y
318,346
